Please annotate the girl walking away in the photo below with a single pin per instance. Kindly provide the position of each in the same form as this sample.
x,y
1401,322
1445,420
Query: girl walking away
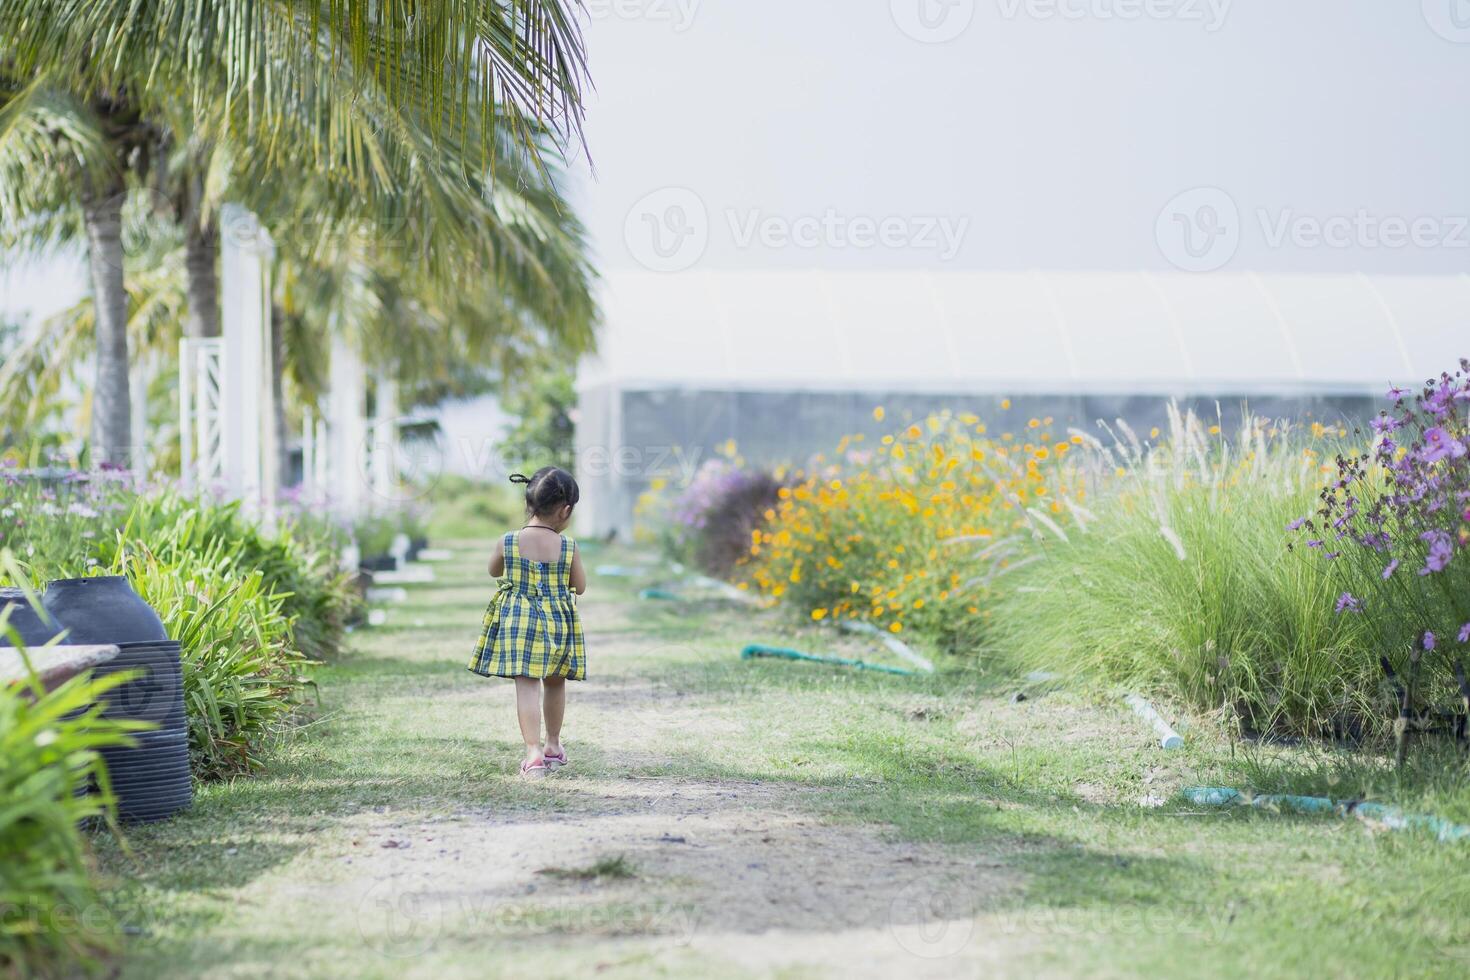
x,y
532,632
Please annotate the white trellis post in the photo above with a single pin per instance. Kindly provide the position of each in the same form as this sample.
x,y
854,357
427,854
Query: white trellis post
x,y
347,427
201,441
247,395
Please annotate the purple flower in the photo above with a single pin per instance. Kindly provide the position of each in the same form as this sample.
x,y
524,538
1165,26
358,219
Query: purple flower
x,y
1296,525
1347,603
1429,640
1439,444
1441,550
1396,394
1314,543
1465,633
1384,424
1390,569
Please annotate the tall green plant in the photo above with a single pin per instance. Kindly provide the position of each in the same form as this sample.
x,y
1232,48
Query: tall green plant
x,y
52,920
1176,581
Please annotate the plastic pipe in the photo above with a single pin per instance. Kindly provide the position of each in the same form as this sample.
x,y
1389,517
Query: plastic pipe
x,y
892,642
1389,816
782,653
1168,737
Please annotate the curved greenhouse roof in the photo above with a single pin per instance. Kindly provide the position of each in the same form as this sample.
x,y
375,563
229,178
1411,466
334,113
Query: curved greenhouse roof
x,y
1026,331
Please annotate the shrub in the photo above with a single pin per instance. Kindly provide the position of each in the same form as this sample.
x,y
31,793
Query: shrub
x,y
299,565
48,757
913,533
711,521
1177,582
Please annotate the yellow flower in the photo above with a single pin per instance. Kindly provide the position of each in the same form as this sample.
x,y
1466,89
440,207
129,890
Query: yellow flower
x,y
1005,403
819,614
918,603
878,414
895,627
913,432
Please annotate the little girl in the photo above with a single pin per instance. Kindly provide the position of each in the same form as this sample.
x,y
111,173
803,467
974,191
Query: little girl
x,y
532,631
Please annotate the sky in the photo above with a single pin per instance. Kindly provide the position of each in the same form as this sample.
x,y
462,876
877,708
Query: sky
x,y
1300,136
1196,135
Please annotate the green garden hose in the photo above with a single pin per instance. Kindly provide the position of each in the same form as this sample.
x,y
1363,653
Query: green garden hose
x,y
761,650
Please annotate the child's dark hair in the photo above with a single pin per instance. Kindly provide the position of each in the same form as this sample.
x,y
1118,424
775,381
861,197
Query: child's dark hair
x,y
548,489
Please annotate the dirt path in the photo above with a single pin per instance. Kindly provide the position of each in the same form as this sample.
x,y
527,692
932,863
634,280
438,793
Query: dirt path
x,y
735,874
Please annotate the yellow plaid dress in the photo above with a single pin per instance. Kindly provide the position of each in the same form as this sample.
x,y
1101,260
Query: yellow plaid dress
x,y
531,628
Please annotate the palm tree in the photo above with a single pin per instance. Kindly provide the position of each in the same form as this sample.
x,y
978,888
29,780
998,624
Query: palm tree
x,y
519,65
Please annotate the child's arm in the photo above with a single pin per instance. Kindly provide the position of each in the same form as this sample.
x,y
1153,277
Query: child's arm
x,y
497,559
579,575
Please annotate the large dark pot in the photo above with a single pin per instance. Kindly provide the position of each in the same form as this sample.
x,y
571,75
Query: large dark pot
x,y
156,692
25,619
416,547
150,780
102,610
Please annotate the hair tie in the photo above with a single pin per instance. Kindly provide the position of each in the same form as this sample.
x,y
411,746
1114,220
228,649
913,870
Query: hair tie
x,y
520,478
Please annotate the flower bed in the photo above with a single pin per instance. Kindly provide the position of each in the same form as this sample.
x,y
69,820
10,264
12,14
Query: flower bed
x,y
1155,561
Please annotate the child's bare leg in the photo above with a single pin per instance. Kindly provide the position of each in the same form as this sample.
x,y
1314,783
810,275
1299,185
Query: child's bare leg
x,y
528,712
554,703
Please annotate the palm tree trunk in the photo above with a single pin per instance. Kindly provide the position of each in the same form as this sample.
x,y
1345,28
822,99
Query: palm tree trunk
x,y
201,258
111,401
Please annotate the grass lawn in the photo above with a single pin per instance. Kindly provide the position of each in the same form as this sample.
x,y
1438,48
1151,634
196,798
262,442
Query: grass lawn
x,y
860,824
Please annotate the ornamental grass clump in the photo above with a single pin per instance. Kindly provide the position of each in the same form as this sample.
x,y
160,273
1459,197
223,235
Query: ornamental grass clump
x,y
917,533
1177,584
1392,528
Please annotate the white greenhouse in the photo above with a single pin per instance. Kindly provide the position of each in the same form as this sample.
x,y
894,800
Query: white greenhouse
x,y
785,363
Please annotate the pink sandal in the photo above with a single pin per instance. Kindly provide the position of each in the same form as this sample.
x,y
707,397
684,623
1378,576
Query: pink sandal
x,y
555,762
533,769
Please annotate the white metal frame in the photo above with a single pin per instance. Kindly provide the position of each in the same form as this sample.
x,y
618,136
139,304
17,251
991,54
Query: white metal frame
x,y
201,409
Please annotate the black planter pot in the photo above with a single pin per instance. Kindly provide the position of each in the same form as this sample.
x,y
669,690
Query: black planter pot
x,y
157,693
416,547
102,610
378,563
151,781
25,619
